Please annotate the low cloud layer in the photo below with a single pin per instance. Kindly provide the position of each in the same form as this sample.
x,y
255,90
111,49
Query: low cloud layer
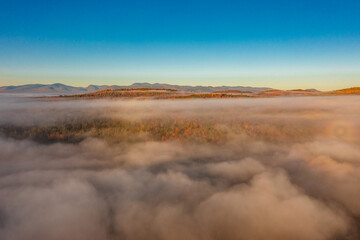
x,y
244,188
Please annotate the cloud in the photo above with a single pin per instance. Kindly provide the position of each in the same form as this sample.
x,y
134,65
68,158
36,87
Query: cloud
x,y
236,170
270,207
246,187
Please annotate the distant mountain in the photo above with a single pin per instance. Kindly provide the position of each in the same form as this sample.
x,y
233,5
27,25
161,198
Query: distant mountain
x,y
42,88
198,88
65,89
312,90
181,90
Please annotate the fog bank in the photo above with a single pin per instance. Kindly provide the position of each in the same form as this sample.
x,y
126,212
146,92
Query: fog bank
x,y
243,188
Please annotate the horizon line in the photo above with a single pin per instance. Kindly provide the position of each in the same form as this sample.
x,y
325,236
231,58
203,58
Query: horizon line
x,y
216,86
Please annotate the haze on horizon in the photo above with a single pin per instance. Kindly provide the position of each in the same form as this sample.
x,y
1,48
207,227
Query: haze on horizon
x,y
278,44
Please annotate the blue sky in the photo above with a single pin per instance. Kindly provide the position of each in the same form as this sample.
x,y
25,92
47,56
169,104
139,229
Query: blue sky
x,y
282,44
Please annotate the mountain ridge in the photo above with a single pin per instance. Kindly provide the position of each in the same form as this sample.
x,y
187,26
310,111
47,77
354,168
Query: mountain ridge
x,y
59,88
66,89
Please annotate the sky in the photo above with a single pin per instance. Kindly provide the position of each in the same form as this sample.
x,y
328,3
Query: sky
x,y
260,43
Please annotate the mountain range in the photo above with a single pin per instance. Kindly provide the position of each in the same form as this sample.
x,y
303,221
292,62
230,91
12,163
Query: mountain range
x,y
65,89
166,91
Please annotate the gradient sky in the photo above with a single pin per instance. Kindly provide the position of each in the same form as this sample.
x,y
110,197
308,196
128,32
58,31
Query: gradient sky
x,y
281,44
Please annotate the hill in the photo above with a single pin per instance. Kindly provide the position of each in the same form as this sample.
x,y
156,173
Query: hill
x,y
65,89
348,91
162,90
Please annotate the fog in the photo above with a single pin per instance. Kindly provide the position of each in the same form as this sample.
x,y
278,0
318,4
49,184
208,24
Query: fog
x,y
244,188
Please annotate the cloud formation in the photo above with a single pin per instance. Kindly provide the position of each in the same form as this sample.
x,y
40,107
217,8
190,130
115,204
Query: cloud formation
x,y
244,188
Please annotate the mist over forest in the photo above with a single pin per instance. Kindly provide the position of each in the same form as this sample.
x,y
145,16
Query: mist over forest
x,y
199,169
